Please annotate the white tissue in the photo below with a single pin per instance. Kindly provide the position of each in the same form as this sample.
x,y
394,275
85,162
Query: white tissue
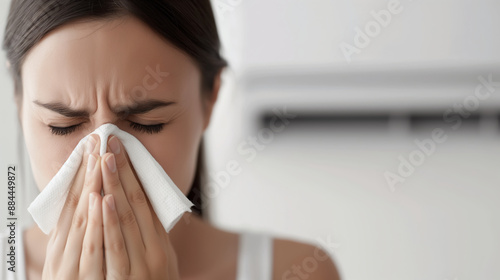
x,y
168,202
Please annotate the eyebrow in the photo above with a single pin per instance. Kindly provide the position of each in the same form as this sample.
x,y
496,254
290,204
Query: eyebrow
x,y
121,111
141,107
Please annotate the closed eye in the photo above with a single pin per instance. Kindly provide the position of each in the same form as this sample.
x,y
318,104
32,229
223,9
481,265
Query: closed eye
x,y
154,128
150,129
61,131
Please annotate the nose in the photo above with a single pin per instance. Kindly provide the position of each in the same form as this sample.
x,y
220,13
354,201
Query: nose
x,y
103,115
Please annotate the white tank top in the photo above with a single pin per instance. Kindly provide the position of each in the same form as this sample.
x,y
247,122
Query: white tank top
x,y
255,257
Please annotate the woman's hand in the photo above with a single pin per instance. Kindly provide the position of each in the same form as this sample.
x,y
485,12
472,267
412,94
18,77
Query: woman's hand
x,y
117,236
136,245
75,250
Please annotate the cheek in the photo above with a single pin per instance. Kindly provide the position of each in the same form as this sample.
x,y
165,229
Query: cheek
x,y
47,153
177,151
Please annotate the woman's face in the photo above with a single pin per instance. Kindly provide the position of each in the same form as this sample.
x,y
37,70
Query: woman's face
x,y
118,71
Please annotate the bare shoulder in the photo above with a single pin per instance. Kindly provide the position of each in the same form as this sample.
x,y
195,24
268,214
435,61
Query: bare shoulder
x,y
295,260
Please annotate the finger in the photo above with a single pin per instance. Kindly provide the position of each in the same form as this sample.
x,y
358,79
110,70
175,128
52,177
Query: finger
x,y
134,193
115,250
74,193
91,260
76,233
126,216
160,230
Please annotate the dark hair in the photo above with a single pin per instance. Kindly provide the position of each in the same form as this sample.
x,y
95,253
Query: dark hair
x,y
187,24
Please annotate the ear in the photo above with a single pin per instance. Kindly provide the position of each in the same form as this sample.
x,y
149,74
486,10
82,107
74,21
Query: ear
x,y
211,99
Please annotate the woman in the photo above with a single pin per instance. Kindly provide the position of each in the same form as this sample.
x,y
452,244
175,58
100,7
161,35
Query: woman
x,y
153,69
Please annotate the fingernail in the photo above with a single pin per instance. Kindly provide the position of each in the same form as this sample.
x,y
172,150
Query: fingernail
x,y
111,163
111,202
90,145
91,162
91,201
114,145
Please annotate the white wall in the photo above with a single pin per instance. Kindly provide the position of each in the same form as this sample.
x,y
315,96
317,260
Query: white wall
x,y
298,32
321,181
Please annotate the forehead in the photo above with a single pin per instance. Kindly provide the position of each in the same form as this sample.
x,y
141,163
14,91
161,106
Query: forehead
x,y
108,56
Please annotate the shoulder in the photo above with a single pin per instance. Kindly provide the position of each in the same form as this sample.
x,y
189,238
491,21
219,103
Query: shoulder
x,y
294,260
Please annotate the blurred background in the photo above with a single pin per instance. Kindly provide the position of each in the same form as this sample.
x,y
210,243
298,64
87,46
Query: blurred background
x,y
367,127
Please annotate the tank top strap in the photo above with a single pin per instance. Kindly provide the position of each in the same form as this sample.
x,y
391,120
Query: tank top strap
x,y
255,257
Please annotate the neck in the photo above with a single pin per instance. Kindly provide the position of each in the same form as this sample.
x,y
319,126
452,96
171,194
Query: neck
x,y
188,230
196,242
